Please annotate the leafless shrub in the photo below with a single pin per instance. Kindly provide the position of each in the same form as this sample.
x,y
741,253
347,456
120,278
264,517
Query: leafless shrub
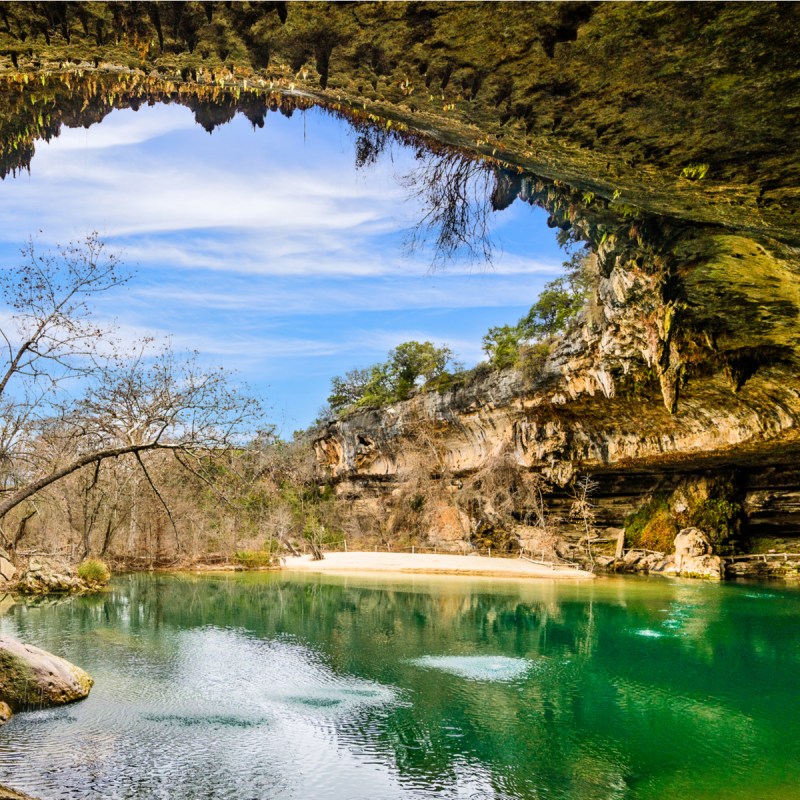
x,y
583,510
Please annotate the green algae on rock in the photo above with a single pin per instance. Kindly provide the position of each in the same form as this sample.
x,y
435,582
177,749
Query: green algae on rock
x,y
32,678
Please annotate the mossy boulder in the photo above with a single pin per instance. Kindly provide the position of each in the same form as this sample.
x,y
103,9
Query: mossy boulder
x,y
32,678
50,577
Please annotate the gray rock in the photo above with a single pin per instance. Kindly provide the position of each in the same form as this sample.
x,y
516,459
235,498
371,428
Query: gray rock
x,y
50,577
632,557
707,566
691,542
7,569
665,566
33,678
693,556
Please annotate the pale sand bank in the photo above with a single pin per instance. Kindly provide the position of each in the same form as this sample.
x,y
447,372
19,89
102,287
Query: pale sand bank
x,y
432,564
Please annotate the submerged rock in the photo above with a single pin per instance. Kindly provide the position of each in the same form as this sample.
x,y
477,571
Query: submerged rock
x,y
32,678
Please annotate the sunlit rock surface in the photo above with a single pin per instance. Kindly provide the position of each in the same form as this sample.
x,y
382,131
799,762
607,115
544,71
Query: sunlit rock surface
x,y
32,678
663,135
693,557
630,446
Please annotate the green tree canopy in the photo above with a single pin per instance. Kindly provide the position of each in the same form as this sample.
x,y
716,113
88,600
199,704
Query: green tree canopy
x,y
412,362
559,302
408,365
501,344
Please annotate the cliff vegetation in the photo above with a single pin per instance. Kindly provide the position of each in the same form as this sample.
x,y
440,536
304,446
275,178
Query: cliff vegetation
x,y
661,140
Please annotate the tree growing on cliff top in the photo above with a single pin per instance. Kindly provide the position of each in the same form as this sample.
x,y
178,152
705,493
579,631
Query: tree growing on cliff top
x,y
120,403
408,365
559,302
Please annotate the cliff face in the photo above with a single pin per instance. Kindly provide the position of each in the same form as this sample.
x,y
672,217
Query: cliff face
x,y
663,135
632,448
593,407
562,437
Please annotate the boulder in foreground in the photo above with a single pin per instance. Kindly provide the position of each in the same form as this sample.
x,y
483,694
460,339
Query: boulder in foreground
x,y
32,678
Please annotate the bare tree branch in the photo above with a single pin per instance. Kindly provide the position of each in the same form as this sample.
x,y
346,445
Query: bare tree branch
x,y
455,192
159,496
32,488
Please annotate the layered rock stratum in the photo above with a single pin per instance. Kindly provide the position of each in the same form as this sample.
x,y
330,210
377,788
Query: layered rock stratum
x,y
662,135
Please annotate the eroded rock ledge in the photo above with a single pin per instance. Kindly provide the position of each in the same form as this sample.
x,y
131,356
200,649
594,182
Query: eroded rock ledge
x,y
564,429
572,428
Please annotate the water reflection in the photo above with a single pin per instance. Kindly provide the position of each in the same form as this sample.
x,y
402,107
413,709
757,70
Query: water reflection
x,y
263,686
477,668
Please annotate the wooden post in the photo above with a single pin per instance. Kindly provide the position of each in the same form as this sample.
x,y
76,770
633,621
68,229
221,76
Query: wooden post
x,y
620,550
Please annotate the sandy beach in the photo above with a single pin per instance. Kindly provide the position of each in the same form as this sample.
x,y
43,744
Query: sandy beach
x,y
433,564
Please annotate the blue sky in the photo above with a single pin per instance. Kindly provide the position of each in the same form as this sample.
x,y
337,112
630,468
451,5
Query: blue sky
x,y
265,249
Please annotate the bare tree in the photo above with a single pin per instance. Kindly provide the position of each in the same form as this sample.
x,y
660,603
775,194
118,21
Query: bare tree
x,y
584,510
132,404
49,335
140,404
51,331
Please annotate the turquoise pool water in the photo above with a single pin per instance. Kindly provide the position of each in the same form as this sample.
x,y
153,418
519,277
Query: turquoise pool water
x,y
257,686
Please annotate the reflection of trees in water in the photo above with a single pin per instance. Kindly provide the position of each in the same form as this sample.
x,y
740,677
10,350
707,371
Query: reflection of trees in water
x,y
570,727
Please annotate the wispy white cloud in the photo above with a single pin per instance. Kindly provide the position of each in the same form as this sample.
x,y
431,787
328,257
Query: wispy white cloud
x,y
126,202
259,253
122,130
284,298
275,259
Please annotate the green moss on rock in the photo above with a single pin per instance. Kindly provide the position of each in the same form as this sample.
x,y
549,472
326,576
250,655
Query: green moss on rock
x,y
33,678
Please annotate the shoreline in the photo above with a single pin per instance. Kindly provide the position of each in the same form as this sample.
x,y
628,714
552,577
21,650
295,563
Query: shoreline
x,y
431,564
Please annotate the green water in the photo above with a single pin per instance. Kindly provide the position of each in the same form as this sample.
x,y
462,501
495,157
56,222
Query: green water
x,y
268,686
